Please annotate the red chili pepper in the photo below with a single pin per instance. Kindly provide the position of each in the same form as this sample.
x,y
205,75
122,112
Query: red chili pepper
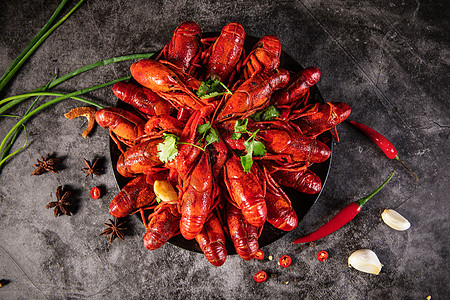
x,y
95,193
341,218
261,276
259,254
385,145
322,255
285,261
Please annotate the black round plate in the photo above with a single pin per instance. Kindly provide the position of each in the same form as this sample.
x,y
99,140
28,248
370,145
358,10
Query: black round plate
x,y
301,203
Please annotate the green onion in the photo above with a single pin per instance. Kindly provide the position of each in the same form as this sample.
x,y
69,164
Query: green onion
x,y
28,95
35,39
16,67
4,159
17,132
56,100
17,100
99,64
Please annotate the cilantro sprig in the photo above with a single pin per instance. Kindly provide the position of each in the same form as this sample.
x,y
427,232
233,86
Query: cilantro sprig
x,y
212,88
266,115
252,146
168,150
208,133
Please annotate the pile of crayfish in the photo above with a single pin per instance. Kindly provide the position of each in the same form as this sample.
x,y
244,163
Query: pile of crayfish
x,y
209,162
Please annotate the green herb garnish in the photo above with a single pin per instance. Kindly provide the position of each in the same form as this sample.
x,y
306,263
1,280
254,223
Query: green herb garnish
x,y
167,150
252,146
266,115
212,88
210,134
240,127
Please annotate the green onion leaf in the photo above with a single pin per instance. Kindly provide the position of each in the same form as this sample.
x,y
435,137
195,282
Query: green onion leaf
x,y
31,50
56,100
17,100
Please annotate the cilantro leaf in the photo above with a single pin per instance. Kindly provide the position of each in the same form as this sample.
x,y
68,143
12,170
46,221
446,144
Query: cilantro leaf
x,y
212,88
253,148
239,127
203,128
258,148
158,200
167,150
212,137
209,133
266,114
270,113
257,116
247,162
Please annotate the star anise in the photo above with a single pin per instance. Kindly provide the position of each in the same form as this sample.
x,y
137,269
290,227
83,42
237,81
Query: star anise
x,y
93,169
63,204
47,164
115,229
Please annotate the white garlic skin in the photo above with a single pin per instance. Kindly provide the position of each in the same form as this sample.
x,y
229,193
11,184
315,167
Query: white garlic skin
x,y
365,260
395,220
165,191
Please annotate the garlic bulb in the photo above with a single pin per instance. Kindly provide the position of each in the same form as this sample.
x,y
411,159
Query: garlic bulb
x,y
365,260
395,220
165,191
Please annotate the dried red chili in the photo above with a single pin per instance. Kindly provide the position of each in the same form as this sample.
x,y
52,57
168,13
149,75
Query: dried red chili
x,y
261,276
95,193
341,218
322,255
285,261
382,142
259,254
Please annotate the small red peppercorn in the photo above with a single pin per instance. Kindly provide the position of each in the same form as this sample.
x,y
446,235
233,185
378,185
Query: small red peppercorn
x,y
261,276
322,255
259,255
95,193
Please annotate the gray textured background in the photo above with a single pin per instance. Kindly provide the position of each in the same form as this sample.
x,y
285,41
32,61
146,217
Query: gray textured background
x,y
389,60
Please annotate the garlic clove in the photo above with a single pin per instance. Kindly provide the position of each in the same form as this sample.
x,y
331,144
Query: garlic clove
x,y
395,220
165,191
365,260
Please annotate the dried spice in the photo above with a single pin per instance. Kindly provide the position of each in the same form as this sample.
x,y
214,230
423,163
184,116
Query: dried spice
x,y
47,164
87,112
115,229
63,204
91,170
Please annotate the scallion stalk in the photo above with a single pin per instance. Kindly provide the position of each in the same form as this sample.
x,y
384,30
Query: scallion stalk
x,y
18,130
54,101
16,67
17,100
35,39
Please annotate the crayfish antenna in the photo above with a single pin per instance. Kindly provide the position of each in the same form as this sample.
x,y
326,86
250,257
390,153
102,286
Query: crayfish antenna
x,y
335,133
116,141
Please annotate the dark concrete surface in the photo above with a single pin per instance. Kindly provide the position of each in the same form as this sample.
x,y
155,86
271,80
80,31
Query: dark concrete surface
x,y
389,60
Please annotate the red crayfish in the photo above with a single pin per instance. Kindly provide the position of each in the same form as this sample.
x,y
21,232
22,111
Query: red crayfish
x,y
212,168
